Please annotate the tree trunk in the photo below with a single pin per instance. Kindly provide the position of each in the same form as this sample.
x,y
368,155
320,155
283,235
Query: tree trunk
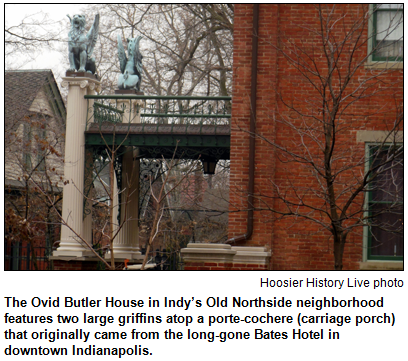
x,y
339,243
153,231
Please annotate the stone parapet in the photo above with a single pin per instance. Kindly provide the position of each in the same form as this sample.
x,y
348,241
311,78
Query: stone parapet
x,y
217,257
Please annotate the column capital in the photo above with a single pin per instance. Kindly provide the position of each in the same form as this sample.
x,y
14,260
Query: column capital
x,y
83,83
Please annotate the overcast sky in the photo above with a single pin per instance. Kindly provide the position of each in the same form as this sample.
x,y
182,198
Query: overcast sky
x,y
15,13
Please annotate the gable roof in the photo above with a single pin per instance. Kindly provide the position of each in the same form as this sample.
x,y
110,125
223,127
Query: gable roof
x,y
21,88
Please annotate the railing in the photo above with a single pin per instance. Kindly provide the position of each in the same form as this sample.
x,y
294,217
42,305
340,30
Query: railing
x,y
158,109
107,113
165,260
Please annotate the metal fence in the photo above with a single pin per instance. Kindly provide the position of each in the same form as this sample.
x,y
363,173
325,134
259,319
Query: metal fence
x,y
169,261
165,260
19,257
158,109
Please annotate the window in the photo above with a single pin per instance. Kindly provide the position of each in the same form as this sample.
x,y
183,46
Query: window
x,y
27,138
388,23
385,205
41,149
35,144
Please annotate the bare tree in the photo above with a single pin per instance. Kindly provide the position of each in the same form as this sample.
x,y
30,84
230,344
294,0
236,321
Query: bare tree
x,y
196,210
24,41
334,175
160,198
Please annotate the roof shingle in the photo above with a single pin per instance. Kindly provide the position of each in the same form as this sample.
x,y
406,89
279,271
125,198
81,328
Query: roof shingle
x,y
21,87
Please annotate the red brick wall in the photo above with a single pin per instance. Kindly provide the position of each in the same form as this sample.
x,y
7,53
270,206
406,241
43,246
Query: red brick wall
x,y
241,112
295,243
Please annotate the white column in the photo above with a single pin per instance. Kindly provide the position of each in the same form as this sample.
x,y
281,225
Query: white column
x,y
87,224
137,109
73,196
126,243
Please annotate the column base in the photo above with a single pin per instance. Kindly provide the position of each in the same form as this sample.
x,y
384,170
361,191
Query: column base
x,y
71,248
120,255
73,253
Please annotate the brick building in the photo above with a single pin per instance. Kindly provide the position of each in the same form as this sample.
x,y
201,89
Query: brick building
x,y
317,115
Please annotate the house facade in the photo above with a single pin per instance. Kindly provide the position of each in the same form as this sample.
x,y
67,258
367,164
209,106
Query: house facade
x,y
316,134
34,148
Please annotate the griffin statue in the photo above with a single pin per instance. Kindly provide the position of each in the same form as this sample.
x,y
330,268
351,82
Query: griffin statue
x,y
131,68
81,46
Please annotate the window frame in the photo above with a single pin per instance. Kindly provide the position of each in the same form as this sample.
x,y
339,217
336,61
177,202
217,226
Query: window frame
x,y
370,149
373,38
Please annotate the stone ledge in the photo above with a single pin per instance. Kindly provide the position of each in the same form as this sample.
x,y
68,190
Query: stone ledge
x,y
251,255
214,255
379,136
205,252
210,246
137,267
381,65
382,265
77,74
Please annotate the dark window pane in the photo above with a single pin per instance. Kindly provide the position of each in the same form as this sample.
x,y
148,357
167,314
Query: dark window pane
x,y
387,237
385,242
390,49
388,185
386,204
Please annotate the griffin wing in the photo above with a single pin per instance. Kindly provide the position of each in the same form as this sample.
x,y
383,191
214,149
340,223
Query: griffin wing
x,y
121,55
137,57
92,35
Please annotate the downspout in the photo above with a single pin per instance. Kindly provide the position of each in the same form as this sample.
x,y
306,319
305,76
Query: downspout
x,y
251,170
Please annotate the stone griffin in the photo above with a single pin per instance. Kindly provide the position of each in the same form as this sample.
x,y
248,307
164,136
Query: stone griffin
x,y
81,46
131,68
